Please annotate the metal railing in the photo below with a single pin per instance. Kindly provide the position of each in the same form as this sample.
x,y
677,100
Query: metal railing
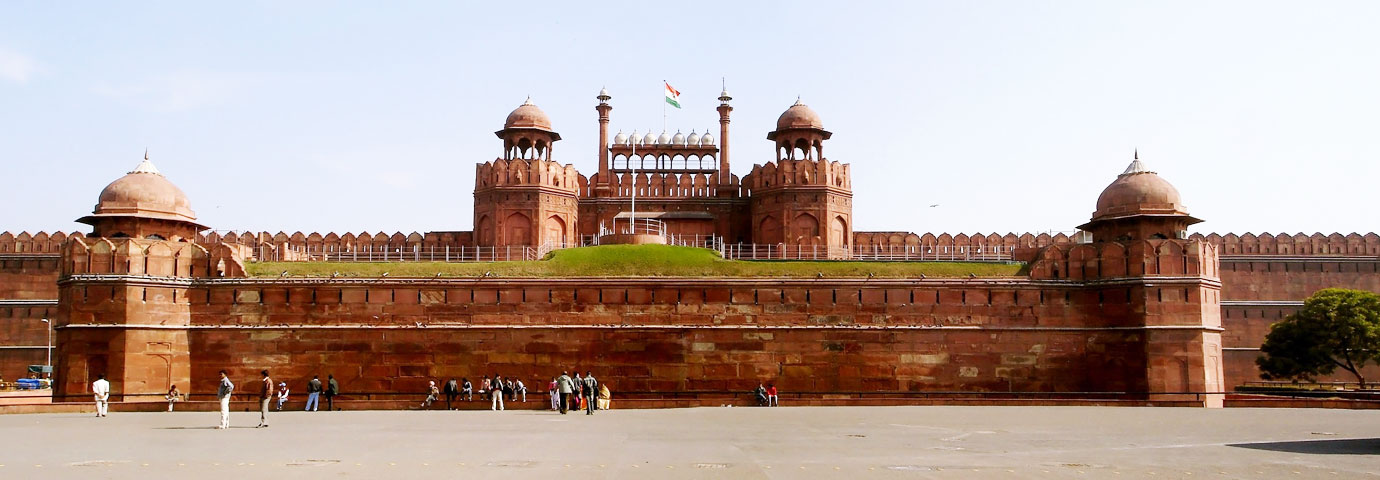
x,y
741,251
421,253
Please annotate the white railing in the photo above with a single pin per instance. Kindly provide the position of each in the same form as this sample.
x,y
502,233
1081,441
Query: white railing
x,y
909,253
421,253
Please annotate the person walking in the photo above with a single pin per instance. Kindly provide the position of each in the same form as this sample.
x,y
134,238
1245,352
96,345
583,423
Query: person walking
x,y
265,395
467,388
282,395
332,389
591,393
575,387
431,393
497,394
173,396
771,396
564,386
101,390
313,393
451,390
223,393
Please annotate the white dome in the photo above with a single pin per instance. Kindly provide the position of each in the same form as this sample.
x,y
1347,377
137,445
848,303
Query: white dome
x,y
649,140
664,139
707,139
620,138
693,139
679,139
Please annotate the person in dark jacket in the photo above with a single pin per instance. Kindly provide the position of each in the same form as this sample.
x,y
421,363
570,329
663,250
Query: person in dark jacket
x,y
332,389
313,393
452,390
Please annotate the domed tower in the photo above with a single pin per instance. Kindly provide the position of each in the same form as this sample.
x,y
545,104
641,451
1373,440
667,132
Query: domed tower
x,y
802,199
524,198
143,204
1139,205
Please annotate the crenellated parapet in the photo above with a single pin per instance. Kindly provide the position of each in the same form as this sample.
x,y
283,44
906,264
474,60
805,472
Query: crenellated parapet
x,y
787,173
1143,258
1265,244
654,184
38,243
527,173
1299,244
155,258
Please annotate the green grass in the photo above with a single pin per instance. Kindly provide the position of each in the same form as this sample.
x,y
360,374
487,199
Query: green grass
x,y
638,261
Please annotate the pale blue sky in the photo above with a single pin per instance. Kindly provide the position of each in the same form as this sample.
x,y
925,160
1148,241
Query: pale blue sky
x,y
1012,116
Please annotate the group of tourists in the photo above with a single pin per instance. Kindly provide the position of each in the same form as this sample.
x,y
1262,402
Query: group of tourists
x,y
491,389
579,393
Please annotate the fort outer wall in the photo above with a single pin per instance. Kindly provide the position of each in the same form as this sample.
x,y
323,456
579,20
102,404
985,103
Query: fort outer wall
x,y
1264,278
29,267
1259,290
152,312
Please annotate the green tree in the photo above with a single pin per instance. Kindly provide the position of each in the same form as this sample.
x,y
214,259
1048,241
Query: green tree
x,y
1337,328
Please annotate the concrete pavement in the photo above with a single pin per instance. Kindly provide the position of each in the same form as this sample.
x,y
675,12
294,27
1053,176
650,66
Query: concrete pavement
x,y
766,443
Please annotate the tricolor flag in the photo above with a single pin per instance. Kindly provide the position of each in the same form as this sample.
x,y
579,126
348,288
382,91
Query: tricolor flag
x,y
672,95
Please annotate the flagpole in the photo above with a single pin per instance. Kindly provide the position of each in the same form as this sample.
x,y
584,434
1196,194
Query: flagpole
x,y
664,84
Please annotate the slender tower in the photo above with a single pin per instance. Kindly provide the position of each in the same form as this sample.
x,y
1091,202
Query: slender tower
x,y
602,187
725,184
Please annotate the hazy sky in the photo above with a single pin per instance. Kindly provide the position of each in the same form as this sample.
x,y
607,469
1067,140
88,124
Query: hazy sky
x,y
1012,116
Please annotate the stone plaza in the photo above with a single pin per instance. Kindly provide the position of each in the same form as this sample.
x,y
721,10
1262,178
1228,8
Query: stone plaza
x,y
787,442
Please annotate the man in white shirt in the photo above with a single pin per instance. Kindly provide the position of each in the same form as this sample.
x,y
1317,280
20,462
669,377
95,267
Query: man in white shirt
x,y
101,388
223,393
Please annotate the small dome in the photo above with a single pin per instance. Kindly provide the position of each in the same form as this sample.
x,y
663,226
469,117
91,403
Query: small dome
x,y
604,93
1138,191
707,140
528,115
678,139
693,139
799,116
649,140
620,138
664,139
143,193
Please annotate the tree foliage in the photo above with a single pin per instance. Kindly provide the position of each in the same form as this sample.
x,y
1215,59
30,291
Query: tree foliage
x,y
1337,328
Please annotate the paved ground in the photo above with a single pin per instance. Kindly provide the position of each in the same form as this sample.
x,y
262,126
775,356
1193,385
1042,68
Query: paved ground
x,y
780,443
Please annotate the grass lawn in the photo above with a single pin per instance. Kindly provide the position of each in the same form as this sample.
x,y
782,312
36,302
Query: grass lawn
x,y
639,261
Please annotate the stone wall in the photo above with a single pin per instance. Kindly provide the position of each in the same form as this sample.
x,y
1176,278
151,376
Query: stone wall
x,y
645,335
1259,290
28,294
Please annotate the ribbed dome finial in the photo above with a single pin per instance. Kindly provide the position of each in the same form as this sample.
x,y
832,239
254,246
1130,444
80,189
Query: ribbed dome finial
x,y
146,166
1136,165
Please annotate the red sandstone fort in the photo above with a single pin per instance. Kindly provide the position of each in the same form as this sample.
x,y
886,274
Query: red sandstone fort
x,y
1130,308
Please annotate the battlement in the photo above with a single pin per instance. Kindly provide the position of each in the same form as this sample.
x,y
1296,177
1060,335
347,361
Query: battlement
x,y
520,172
1317,244
786,172
41,242
660,184
1092,261
162,258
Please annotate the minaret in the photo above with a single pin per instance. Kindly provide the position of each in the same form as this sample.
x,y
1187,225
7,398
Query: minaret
x,y
602,186
725,174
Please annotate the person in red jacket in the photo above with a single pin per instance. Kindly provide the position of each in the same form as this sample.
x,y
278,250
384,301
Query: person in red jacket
x,y
771,396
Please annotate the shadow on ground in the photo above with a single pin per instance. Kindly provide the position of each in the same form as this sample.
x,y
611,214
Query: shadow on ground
x,y
1346,446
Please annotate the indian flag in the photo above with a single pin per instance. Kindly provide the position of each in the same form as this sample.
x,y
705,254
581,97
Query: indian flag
x,y
672,95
